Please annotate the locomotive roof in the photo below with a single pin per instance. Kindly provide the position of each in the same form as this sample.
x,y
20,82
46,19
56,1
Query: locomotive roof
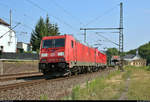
x,y
58,36
62,36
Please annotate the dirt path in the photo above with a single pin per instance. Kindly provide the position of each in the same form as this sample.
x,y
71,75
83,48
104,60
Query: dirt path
x,y
124,94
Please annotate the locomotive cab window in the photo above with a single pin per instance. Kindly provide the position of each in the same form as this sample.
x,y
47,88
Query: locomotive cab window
x,y
59,42
72,43
47,43
53,43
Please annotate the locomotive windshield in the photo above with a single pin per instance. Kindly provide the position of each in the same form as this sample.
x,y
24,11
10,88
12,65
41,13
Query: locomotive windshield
x,y
53,43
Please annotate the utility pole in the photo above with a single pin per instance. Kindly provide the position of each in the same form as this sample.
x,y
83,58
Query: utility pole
x,y
10,33
10,18
121,37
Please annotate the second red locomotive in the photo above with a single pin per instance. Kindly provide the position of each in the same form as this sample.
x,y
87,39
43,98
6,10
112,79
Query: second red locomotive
x,y
64,54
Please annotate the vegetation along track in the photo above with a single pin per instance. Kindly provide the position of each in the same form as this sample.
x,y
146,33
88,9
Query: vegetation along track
x,y
45,79
18,76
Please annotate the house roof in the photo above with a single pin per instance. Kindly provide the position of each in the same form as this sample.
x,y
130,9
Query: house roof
x,y
3,22
131,57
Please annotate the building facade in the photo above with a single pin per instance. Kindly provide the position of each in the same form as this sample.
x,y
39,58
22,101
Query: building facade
x,y
8,39
23,47
134,60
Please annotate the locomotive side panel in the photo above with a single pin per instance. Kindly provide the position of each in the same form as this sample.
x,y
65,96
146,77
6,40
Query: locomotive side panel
x,y
72,55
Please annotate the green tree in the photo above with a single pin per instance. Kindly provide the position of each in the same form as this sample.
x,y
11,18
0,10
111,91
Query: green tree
x,y
42,28
131,52
144,52
112,51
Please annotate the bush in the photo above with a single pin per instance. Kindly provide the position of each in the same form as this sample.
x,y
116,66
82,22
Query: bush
x,y
148,67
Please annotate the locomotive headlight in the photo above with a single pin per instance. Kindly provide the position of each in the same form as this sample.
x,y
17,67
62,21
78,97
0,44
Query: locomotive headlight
x,y
44,55
60,53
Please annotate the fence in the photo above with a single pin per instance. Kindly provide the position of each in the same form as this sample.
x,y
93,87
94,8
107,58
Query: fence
x,y
24,56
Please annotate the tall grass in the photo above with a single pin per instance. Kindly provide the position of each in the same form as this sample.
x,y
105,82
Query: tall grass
x,y
43,97
95,89
75,93
139,84
111,86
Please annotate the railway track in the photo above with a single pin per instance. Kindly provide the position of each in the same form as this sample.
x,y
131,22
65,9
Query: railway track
x,y
39,81
18,76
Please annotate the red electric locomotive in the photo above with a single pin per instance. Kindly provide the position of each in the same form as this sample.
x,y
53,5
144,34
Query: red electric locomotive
x,y
65,55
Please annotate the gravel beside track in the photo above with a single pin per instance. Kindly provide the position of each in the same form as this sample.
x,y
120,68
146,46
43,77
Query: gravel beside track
x,y
51,89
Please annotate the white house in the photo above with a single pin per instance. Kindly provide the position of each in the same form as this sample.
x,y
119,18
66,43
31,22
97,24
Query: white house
x,y
21,47
8,39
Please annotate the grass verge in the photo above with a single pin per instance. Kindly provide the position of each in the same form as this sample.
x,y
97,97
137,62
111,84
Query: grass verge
x,y
112,86
139,88
104,87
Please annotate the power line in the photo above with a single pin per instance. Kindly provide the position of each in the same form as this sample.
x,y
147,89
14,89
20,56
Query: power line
x,y
16,11
36,5
85,29
9,30
24,25
65,11
13,20
107,39
21,32
98,17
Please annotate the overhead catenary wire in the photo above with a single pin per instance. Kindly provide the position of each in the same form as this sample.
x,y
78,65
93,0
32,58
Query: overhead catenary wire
x,y
65,11
4,5
99,17
9,30
24,25
36,5
107,39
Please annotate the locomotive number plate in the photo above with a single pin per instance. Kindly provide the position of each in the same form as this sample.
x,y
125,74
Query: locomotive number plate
x,y
52,54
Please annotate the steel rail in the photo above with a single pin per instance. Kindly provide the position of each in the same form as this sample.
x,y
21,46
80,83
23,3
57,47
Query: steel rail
x,y
40,81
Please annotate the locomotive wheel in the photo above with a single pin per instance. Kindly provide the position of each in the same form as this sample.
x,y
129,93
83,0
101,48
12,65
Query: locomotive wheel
x,y
69,74
96,69
89,69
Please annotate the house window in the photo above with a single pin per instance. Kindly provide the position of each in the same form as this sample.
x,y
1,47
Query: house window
x,y
1,48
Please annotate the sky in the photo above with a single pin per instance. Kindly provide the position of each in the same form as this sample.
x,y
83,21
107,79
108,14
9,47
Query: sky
x,y
71,15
